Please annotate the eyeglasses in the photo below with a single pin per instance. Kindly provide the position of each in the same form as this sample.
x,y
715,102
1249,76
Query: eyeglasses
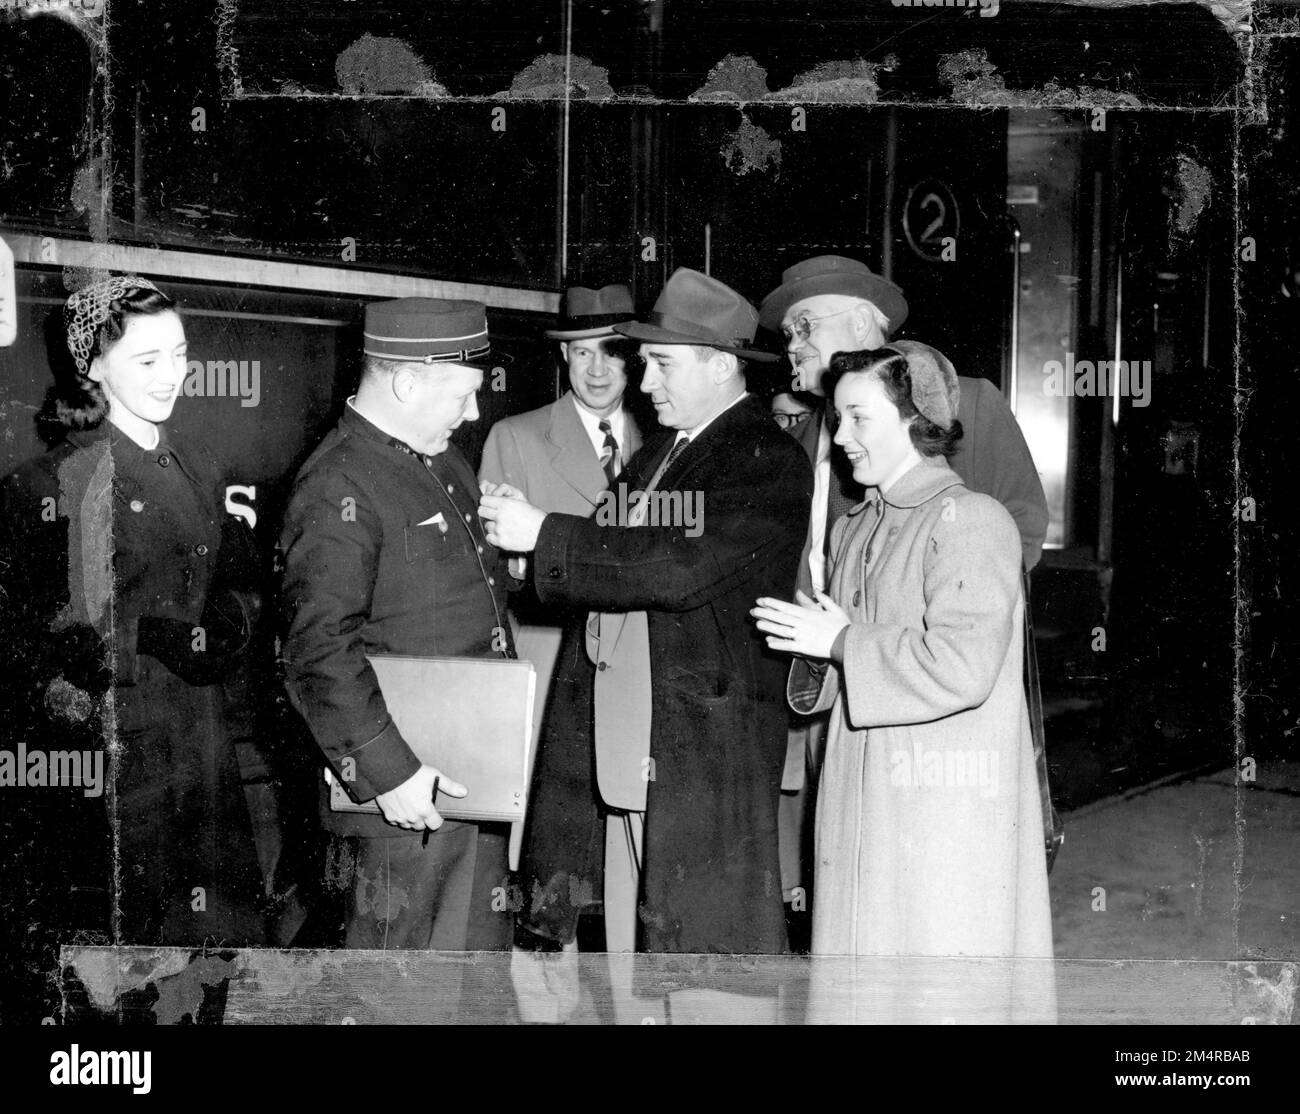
x,y
803,325
789,421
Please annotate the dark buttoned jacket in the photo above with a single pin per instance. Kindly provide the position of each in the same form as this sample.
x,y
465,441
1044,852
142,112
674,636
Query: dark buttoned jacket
x,y
97,537
383,553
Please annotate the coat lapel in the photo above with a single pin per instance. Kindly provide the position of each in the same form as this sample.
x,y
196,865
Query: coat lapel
x,y
623,687
806,433
720,437
572,457
631,434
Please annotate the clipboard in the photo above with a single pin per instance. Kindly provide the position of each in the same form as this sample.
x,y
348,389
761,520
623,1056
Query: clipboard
x,y
473,719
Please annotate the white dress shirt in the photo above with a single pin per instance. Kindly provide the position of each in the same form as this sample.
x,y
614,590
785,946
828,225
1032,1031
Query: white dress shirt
x,y
617,425
821,494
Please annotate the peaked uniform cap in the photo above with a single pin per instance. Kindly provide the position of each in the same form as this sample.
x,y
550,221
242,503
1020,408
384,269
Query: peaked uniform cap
x,y
431,331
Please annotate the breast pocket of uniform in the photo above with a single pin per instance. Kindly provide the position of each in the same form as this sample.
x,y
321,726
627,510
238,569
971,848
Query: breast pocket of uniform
x,y
432,541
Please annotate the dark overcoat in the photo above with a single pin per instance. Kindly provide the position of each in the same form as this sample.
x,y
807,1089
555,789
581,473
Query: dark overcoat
x,y
711,874
103,542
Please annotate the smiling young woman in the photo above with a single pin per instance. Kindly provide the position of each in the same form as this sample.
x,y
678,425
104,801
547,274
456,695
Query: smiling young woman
x,y
129,595
928,834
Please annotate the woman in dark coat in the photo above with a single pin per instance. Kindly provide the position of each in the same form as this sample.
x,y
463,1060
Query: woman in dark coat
x,y
128,595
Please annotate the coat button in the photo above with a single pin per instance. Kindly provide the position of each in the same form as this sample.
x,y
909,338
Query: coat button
x,y
492,581
201,550
893,530
164,460
857,598
603,666
554,573
137,506
479,548
468,519
451,488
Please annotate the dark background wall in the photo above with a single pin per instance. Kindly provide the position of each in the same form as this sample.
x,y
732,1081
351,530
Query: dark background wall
x,y
319,146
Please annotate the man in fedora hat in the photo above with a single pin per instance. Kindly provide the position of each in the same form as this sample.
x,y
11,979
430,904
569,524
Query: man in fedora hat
x,y
564,455
384,553
688,732
830,304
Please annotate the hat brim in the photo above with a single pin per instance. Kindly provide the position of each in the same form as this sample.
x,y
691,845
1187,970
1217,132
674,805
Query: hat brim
x,y
653,334
585,334
490,361
879,291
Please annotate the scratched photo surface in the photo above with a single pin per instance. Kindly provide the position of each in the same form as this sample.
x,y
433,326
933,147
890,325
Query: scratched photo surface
x,y
1089,210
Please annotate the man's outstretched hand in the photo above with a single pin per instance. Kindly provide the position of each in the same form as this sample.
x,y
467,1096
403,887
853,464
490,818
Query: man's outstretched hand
x,y
511,523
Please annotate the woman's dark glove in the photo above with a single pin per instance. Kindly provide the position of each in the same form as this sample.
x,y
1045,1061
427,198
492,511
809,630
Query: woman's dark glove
x,y
203,654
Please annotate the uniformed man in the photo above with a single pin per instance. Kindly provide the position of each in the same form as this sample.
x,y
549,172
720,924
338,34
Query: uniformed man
x,y
384,553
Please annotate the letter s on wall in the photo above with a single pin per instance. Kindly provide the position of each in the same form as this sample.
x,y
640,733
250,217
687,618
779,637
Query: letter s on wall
x,y
241,510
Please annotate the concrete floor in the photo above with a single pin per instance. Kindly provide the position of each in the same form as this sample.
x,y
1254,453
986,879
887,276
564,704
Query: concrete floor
x,y
1206,868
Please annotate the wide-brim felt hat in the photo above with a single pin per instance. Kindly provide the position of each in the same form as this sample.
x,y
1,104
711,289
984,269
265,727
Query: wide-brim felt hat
x,y
694,308
833,274
431,331
589,313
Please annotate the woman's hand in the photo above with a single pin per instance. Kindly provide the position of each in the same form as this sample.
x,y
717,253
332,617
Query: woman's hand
x,y
806,627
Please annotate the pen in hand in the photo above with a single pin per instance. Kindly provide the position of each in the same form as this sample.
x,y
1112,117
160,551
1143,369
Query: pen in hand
x,y
425,841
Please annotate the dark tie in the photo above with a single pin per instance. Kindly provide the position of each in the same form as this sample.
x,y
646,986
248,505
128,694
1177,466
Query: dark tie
x,y
637,517
609,452
674,453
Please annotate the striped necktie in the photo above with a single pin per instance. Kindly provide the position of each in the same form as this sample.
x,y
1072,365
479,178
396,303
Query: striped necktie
x,y
638,515
674,453
609,451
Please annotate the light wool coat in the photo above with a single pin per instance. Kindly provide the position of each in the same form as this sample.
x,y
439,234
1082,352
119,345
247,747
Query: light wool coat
x,y
929,830
547,455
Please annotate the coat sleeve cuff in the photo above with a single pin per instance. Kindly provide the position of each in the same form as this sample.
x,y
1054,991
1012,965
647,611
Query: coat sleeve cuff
x,y
380,765
550,558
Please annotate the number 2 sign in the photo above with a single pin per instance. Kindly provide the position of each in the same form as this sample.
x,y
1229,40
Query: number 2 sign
x,y
930,216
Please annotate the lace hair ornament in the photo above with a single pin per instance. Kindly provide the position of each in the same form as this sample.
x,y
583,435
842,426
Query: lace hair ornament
x,y
87,310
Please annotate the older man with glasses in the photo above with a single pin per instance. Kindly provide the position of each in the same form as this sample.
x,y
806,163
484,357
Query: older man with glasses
x,y
831,304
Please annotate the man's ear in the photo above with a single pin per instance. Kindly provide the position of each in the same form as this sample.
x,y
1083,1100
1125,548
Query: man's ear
x,y
862,324
402,383
725,365
564,352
